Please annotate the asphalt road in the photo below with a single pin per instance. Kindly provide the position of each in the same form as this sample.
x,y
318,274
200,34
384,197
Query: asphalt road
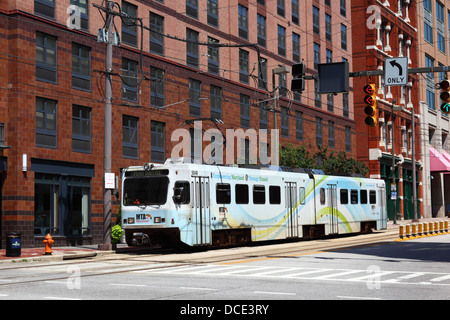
x,y
409,270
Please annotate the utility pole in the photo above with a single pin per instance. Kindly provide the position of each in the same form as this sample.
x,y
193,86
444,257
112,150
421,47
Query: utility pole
x,y
107,211
414,165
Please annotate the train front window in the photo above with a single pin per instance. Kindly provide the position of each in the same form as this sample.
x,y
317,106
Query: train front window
x,y
145,191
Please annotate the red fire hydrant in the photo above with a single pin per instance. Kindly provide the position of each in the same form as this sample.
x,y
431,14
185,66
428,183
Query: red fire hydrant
x,y
48,244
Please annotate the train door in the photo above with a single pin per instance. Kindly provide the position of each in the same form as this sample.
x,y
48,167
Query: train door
x,y
333,213
290,202
201,211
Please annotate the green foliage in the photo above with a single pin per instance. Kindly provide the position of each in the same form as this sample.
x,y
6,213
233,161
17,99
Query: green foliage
x,y
295,156
299,157
116,233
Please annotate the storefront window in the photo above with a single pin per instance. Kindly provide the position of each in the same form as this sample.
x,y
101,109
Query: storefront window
x,y
62,205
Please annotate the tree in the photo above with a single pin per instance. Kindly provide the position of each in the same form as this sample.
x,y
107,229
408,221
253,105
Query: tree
x,y
299,157
295,156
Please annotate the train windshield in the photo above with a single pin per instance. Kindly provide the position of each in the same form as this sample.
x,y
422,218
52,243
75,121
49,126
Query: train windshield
x,y
144,191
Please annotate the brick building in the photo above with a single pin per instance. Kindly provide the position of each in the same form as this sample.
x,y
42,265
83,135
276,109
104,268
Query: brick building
x,y
52,83
391,33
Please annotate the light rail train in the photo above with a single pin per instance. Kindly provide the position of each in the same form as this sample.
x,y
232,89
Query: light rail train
x,y
203,205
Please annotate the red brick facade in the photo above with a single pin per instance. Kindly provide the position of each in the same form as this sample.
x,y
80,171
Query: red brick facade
x,y
19,90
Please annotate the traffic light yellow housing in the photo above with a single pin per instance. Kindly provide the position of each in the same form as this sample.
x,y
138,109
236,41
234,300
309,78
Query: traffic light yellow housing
x,y
370,101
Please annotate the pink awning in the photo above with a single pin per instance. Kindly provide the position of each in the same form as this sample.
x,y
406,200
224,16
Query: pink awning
x,y
438,162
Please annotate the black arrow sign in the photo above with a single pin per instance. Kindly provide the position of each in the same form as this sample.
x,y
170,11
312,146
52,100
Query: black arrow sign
x,y
395,64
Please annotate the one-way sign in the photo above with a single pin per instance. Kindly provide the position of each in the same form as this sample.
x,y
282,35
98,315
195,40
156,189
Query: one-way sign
x,y
396,71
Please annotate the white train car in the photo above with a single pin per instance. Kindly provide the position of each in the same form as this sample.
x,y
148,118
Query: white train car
x,y
200,205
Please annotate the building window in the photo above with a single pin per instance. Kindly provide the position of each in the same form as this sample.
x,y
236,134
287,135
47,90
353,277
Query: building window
x,y
213,55
62,205
281,7
129,80
331,134
343,8
316,55
81,128
216,102
245,111
83,7
212,12
129,27
262,76
46,121
45,8
158,137
428,32
261,30
156,34
243,66
195,106
157,87
319,135
130,137
192,48
346,112
284,122
243,21
192,8
295,10
295,47
316,20
263,115
81,67
327,27
299,125
281,41
343,37
348,139
45,57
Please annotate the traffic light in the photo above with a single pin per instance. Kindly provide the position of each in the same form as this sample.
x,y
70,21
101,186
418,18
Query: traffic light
x,y
298,81
370,101
445,95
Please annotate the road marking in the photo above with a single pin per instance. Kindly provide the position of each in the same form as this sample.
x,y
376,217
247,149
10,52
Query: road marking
x,y
441,278
295,275
336,274
194,288
359,298
127,284
60,298
277,293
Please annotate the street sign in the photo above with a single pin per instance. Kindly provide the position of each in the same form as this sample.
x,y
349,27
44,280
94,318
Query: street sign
x,y
396,71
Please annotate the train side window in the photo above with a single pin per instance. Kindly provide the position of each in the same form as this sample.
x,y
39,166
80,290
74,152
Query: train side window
x,y
363,196
241,192
181,192
259,194
373,197
344,196
223,193
354,196
322,196
274,194
302,195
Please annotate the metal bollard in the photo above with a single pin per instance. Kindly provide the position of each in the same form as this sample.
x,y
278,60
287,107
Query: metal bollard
x,y
446,226
407,232
413,231
436,228
441,227
401,233
420,230
425,229
430,228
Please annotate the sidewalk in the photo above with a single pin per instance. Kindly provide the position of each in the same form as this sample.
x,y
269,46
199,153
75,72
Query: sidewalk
x,y
67,253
